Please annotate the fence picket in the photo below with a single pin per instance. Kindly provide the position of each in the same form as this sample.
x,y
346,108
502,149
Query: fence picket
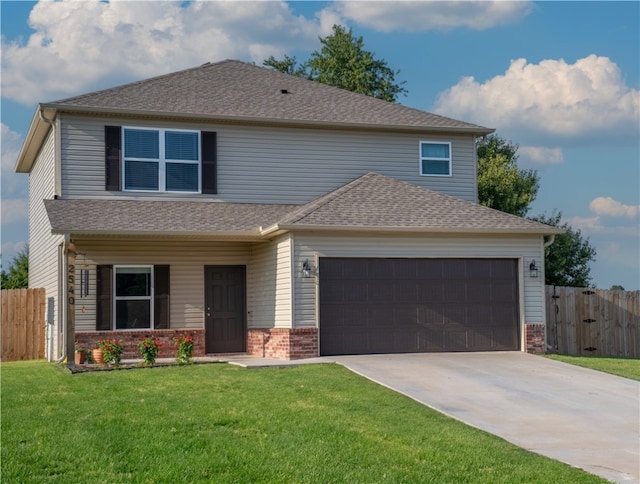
x,y
22,324
613,330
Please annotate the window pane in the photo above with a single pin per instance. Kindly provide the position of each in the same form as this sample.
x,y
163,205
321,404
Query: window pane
x,y
133,281
141,175
133,314
430,167
141,143
182,177
181,146
435,150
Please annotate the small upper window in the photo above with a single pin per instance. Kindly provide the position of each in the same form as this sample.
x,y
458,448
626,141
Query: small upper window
x,y
161,160
435,158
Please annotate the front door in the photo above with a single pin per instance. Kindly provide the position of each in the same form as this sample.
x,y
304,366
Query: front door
x,y
224,304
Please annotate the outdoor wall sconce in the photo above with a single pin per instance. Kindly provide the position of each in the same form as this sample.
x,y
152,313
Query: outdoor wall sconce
x,y
533,269
307,269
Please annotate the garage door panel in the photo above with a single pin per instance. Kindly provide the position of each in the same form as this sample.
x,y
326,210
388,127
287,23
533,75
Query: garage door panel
x,y
417,305
380,291
454,291
430,291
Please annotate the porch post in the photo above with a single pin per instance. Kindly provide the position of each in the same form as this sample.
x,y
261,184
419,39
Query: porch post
x,y
70,333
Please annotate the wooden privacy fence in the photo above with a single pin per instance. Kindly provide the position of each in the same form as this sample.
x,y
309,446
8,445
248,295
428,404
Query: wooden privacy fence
x,y
597,322
23,324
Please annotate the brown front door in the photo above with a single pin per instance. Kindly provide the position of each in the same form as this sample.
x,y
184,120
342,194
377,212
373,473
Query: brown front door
x,y
224,304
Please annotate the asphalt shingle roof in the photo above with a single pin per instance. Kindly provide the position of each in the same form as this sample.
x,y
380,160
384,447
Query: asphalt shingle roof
x,y
370,203
232,89
375,201
160,217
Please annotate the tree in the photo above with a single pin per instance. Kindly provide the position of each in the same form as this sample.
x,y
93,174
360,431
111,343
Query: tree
x,y
18,275
567,259
616,287
342,62
501,184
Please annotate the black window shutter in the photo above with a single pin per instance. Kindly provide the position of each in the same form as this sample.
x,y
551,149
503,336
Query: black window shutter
x,y
112,150
209,162
104,281
161,297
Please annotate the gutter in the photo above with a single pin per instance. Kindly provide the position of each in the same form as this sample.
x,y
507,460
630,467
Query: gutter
x,y
277,229
475,130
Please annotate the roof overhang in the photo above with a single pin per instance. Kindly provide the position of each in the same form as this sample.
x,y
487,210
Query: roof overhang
x,y
47,112
278,229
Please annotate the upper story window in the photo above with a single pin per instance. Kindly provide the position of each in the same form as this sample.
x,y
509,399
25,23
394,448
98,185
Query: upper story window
x,y
163,160
435,158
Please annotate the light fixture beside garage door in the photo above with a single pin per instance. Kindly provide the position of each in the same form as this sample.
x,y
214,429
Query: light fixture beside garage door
x,y
533,269
308,270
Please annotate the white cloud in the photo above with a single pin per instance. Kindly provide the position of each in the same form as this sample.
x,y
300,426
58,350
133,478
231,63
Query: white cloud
x,y
419,16
609,206
81,46
14,210
13,184
550,99
537,154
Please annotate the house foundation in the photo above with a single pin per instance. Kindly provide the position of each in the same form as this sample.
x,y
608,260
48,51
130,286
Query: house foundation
x,y
89,340
534,338
283,343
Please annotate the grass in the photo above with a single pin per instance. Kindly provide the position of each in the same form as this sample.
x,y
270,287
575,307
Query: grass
x,y
625,367
221,423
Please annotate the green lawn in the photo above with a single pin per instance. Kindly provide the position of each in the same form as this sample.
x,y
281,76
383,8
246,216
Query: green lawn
x,y
625,367
221,423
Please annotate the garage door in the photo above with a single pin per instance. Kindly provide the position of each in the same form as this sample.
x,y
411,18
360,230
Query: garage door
x,y
417,305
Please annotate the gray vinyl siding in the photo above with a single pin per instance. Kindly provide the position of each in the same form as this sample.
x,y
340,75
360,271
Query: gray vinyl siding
x,y
269,284
43,247
523,248
186,260
273,165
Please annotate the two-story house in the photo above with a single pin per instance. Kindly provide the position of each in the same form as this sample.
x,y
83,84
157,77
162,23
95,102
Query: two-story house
x,y
272,215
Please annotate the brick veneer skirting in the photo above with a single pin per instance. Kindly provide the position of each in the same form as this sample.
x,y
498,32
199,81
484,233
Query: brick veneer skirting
x,y
283,343
89,340
534,338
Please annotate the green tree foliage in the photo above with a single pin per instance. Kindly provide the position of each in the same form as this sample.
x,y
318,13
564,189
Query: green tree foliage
x,y
501,184
567,259
616,287
342,62
18,275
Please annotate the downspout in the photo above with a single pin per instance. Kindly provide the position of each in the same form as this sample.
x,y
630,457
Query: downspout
x,y
551,240
49,339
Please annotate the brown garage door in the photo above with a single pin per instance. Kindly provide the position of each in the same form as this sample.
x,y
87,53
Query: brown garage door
x,y
417,305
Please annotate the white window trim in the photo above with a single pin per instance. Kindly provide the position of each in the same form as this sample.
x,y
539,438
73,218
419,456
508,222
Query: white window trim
x,y
116,298
162,160
428,158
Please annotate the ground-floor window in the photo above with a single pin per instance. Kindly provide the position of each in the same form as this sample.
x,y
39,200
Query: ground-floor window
x,y
133,297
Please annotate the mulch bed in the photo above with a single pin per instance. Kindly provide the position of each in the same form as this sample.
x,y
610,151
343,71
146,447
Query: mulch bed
x,y
85,368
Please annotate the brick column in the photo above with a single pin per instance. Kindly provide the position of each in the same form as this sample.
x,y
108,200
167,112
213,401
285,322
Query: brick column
x,y
534,336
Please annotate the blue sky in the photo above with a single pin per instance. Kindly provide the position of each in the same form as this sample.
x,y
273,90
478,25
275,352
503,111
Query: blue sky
x,y
560,79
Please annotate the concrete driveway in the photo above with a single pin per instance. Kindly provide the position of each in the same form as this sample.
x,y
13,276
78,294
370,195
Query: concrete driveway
x,y
582,417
